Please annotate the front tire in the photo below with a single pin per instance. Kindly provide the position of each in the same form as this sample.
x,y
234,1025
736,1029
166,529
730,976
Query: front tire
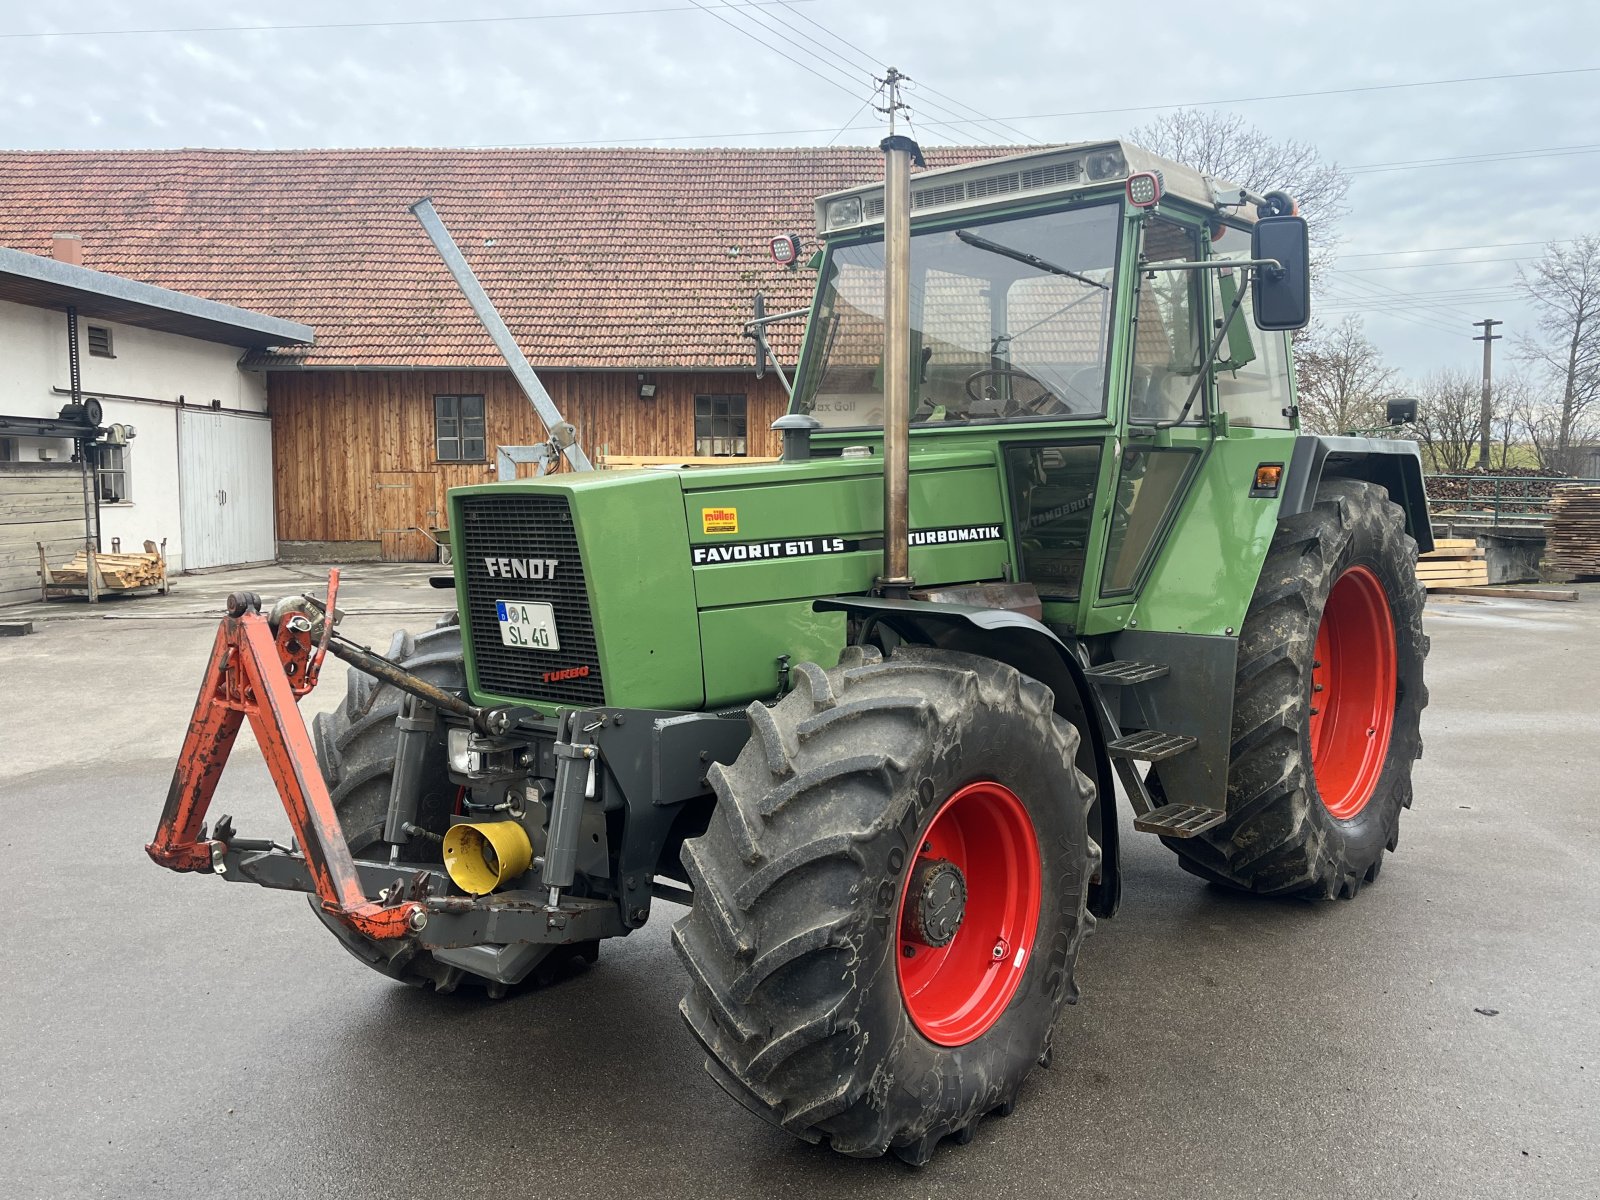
x,y
1327,704
356,746
867,967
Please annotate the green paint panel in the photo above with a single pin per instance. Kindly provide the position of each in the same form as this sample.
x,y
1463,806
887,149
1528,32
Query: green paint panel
x,y
743,645
1203,581
636,560
813,507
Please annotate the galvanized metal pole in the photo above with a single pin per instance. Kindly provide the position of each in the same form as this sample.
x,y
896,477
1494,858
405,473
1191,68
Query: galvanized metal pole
x,y
897,155
484,308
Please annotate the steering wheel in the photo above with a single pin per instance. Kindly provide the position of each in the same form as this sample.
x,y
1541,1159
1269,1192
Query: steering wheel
x,y
1035,406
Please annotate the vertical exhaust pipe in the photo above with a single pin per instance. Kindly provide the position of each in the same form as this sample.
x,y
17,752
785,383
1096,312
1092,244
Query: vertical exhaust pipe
x,y
898,154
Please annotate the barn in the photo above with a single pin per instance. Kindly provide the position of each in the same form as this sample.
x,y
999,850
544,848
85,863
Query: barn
x,y
625,275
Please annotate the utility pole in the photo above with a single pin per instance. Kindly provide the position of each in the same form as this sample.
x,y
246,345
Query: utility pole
x,y
1489,338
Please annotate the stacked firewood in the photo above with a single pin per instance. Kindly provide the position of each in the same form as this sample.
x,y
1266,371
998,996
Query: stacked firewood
x,y
1573,541
116,570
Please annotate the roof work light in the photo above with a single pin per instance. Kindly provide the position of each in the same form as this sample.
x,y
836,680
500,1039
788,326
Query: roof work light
x,y
785,249
1144,189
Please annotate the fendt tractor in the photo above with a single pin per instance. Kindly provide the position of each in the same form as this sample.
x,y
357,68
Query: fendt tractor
x,y
1044,523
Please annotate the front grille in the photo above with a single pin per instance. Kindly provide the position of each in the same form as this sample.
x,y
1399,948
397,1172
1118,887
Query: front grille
x,y
518,525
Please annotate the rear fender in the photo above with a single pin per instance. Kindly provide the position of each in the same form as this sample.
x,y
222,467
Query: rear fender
x,y
1395,465
1036,651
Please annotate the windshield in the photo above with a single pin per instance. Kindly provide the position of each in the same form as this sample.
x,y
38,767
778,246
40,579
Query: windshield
x,y
1009,319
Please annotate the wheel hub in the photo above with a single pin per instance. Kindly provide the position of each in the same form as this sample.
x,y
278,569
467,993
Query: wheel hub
x,y
969,911
936,902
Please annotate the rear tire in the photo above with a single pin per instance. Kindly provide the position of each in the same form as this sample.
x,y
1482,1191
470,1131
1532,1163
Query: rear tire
x,y
803,993
1314,799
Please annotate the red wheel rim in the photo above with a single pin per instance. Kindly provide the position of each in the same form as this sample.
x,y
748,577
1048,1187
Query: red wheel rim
x,y
956,992
1352,692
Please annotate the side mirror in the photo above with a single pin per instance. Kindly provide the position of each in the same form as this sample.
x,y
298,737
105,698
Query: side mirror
x,y
1282,294
1403,411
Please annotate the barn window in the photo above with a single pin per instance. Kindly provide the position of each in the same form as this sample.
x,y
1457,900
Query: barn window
x,y
111,474
719,426
458,428
100,341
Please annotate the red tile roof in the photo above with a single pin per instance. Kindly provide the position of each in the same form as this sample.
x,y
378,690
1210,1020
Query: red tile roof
x,y
596,258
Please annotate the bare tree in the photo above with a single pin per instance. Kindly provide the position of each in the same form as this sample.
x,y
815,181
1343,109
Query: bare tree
x,y
1226,146
1447,419
1564,289
1344,383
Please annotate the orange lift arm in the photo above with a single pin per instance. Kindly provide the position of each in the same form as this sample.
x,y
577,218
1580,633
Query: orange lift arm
x,y
254,674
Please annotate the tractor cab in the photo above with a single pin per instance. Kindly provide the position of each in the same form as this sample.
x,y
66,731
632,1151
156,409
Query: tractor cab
x,y
1083,312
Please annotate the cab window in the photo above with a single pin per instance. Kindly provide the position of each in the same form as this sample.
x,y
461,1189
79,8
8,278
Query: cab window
x,y
1252,369
1167,343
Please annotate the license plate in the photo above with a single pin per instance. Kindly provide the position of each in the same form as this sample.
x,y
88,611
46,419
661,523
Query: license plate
x,y
527,624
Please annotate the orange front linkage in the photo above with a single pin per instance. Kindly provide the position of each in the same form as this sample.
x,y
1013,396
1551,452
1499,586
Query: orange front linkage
x,y
254,674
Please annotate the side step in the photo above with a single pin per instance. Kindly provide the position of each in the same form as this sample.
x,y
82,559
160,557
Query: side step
x,y
1122,673
1179,820
1150,745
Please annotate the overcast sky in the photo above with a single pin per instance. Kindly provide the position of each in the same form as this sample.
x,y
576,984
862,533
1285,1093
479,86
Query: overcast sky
x,y
692,76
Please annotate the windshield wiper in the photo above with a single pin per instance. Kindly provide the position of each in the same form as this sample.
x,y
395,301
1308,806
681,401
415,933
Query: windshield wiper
x,y
1022,256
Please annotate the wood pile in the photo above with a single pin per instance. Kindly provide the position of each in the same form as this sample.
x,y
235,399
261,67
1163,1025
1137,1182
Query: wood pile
x,y
118,572
1573,545
1453,563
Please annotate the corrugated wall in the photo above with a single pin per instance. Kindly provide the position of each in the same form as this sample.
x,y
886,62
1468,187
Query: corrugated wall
x,y
335,432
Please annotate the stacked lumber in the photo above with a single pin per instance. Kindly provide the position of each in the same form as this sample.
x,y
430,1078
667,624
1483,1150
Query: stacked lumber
x,y
119,571
1573,544
1453,563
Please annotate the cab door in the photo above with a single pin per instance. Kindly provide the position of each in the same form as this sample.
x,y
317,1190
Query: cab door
x,y
1168,421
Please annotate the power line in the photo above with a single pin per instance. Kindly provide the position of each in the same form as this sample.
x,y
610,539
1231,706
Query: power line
x,y
1344,91
1454,262
776,50
850,118
1449,249
560,16
1091,112
1473,160
872,65
1372,288
934,91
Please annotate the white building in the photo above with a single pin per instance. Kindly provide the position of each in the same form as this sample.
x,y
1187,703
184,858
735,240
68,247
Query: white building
x,y
182,443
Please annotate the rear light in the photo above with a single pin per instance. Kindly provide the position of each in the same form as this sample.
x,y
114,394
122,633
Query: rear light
x,y
1144,189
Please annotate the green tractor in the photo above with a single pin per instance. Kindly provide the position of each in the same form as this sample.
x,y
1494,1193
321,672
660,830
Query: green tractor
x,y
1044,525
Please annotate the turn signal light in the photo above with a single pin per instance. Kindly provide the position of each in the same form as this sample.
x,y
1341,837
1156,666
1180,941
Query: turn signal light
x,y
1269,476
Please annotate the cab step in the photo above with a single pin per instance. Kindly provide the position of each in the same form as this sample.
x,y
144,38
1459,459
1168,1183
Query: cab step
x,y
1179,820
1126,673
1150,745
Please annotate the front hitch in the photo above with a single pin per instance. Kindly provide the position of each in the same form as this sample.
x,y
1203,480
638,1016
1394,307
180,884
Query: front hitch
x,y
259,673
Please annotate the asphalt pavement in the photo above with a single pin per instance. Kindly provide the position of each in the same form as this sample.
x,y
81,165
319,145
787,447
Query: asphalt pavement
x,y
178,1036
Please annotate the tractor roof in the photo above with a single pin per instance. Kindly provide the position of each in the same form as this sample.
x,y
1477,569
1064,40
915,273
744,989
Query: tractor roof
x,y
999,181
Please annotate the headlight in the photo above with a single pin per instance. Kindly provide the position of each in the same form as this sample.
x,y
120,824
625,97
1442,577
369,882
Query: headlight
x,y
844,212
463,759
1106,164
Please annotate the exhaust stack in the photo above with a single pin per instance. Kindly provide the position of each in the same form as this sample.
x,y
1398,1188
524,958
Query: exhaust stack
x,y
898,155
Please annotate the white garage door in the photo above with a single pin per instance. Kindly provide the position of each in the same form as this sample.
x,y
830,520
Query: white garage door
x,y
225,473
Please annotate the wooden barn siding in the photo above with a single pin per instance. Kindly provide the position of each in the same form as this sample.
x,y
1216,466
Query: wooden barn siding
x,y
334,431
